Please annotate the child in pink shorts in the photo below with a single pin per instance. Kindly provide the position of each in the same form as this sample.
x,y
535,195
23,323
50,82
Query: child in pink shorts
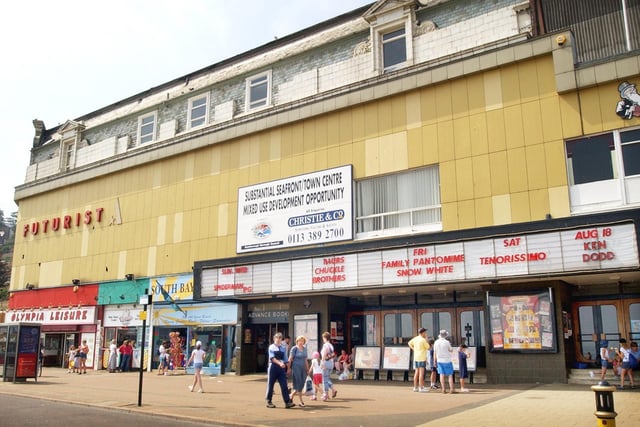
x,y
316,373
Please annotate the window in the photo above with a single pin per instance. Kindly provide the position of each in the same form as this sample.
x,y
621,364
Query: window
x,y
258,91
68,155
401,203
604,170
147,128
398,328
198,109
394,49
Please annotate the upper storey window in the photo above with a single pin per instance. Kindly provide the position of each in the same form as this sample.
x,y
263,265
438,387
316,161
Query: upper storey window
x,y
604,170
147,128
258,91
198,110
394,49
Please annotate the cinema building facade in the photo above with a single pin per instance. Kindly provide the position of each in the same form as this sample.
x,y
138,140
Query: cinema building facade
x,y
460,165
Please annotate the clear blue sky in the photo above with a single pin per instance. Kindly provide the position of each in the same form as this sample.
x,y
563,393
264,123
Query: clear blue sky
x,y
63,59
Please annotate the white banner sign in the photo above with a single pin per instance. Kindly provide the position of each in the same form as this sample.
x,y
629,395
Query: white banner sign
x,y
53,316
568,251
301,210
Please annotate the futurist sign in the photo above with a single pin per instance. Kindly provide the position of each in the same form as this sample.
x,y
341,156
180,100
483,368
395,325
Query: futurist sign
x,y
309,209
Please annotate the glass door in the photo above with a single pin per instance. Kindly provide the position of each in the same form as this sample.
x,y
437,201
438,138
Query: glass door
x,y
596,321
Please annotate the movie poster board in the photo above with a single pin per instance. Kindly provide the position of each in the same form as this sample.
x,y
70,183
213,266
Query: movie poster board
x,y
522,322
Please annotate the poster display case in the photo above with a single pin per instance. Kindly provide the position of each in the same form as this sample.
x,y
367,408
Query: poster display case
x,y
20,351
522,322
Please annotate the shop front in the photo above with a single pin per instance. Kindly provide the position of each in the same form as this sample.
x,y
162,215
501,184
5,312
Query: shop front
x,y
518,295
68,316
120,323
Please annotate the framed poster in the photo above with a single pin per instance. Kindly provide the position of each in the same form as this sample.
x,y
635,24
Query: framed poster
x,y
397,358
367,358
307,326
522,322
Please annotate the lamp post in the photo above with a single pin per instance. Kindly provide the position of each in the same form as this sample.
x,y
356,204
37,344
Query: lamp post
x,y
145,300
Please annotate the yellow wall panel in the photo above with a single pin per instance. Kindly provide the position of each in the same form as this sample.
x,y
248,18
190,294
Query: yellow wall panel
x,y
501,209
448,185
309,162
609,96
450,216
393,152
430,148
428,105
371,120
345,154
539,202
532,123
462,138
323,130
481,167
297,138
475,93
385,121
372,157
286,141
510,81
358,123
464,178
493,90
414,147
398,114
591,111
478,134
556,164
275,144
559,204
496,135
499,173
444,109
333,157
520,208
484,211
536,169
446,150
345,127
459,98
286,166
551,119
358,159
308,141
513,126
546,77
412,110
466,214
528,81
517,167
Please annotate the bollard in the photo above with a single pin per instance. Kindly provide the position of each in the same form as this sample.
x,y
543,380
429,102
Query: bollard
x,y
604,404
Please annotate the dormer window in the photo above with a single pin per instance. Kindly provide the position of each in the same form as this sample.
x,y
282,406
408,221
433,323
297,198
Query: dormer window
x,y
198,109
147,128
258,91
394,49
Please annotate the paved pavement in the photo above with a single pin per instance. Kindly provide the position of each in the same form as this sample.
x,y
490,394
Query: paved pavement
x,y
231,400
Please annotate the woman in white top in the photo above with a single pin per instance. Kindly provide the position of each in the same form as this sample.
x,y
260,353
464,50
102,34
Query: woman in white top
x,y
113,356
197,357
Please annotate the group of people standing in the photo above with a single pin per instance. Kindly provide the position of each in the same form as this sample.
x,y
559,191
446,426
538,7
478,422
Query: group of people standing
x,y
283,359
126,355
78,358
439,356
623,359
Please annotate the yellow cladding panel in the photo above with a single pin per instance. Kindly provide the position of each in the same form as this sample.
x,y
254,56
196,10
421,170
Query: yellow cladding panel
x,y
466,214
326,130
484,212
464,178
570,115
384,119
551,119
446,144
546,77
475,92
371,120
345,127
372,159
412,109
450,216
428,105
414,147
430,144
513,126
499,173
536,169
393,152
398,114
286,141
520,207
448,183
501,209
481,176
517,166
478,134
559,205
492,90
359,159
556,163
308,141
532,123
528,80
297,138
510,81
539,201
459,98
358,123
443,102
495,131
462,138
591,111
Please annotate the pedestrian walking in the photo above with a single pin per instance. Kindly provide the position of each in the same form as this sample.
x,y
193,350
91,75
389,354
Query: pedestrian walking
x,y
299,367
197,357
420,347
316,374
328,354
277,372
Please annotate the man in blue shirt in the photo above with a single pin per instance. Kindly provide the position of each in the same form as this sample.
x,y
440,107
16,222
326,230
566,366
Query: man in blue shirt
x,y
278,371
